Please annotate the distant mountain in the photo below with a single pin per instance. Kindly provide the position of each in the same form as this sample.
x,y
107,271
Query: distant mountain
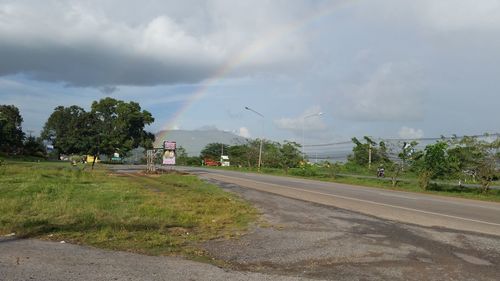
x,y
194,141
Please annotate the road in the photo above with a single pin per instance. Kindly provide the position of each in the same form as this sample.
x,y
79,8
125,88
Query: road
x,y
415,208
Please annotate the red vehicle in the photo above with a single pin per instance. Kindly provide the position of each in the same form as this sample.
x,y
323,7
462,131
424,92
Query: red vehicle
x,y
210,162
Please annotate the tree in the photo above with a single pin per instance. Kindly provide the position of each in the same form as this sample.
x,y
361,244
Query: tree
x,y
361,152
70,129
433,163
213,151
408,154
11,133
290,155
111,126
119,126
238,155
181,156
480,157
34,147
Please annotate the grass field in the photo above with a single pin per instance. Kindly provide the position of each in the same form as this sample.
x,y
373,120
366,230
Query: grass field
x,y
157,215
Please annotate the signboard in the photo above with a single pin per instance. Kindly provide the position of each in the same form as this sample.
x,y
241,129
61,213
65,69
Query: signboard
x,y
169,145
169,152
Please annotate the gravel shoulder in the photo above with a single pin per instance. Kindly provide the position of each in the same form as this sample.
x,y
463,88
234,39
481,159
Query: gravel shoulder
x,y
298,238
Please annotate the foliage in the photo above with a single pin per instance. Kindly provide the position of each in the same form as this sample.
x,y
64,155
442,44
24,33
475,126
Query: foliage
x,y
471,155
70,130
213,151
290,155
408,154
435,159
34,147
11,133
120,126
239,155
111,126
183,159
361,151
305,171
274,154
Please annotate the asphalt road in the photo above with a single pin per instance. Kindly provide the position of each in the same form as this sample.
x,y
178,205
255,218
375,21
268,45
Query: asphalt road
x,y
415,208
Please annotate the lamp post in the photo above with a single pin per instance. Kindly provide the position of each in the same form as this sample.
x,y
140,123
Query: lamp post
x,y
303,122
261,138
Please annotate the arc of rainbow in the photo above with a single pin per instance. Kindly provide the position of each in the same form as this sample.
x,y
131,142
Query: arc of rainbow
x,y
259,44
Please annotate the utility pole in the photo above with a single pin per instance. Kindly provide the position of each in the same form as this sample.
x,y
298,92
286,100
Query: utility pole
x,y
261,139
369,155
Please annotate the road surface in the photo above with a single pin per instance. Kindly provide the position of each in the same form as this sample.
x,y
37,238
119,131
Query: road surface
x,y
415,208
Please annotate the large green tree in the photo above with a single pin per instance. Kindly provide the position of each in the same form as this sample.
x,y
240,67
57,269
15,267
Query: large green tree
x,y
11,133
70,129
111,126
119,126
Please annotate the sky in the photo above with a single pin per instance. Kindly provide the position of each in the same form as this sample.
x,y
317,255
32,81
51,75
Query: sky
x,y
315,71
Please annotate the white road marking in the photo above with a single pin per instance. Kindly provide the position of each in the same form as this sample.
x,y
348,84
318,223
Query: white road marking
x,y
368,201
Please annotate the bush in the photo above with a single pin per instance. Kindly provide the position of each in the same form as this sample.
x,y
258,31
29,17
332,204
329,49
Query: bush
x,y
424,179
306,171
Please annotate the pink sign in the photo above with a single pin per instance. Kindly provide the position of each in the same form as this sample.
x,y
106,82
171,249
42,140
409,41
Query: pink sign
x,y
169,145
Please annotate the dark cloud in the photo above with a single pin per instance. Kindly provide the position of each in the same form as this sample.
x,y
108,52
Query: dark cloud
x,y
108,90
97,67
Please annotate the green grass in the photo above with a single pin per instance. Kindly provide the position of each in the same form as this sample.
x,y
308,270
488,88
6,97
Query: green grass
x,y
156,215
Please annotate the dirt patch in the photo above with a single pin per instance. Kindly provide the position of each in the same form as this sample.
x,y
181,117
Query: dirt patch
x,y
298,238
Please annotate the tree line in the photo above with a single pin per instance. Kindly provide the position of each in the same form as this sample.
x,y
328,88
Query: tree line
x,y
110,126
456,158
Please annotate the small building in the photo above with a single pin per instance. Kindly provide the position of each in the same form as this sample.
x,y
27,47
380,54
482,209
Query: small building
x,y
224,161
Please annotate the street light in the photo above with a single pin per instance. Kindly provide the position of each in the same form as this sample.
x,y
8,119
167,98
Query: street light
x,y
303,122
261,138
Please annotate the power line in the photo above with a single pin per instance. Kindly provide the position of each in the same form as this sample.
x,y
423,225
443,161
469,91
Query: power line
x,y
406,139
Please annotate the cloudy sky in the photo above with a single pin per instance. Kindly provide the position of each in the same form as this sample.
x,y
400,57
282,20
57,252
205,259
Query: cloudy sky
x,y
386,68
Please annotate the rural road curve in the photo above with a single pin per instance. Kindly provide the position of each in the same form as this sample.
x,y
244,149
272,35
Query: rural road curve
x,y
421,209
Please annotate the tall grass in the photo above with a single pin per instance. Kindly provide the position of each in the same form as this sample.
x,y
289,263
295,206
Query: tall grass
x,y
168,214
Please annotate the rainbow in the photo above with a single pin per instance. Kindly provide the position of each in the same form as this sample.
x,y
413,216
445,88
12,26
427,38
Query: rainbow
x,y
235,60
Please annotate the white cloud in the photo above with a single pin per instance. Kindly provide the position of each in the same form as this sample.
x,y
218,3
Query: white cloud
x,y
243,132
392,92
410,133
309,120
452,15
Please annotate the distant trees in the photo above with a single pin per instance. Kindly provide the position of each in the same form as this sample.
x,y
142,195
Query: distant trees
x,y
11,133
368,152
213,151
111,126
274,154
459,158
